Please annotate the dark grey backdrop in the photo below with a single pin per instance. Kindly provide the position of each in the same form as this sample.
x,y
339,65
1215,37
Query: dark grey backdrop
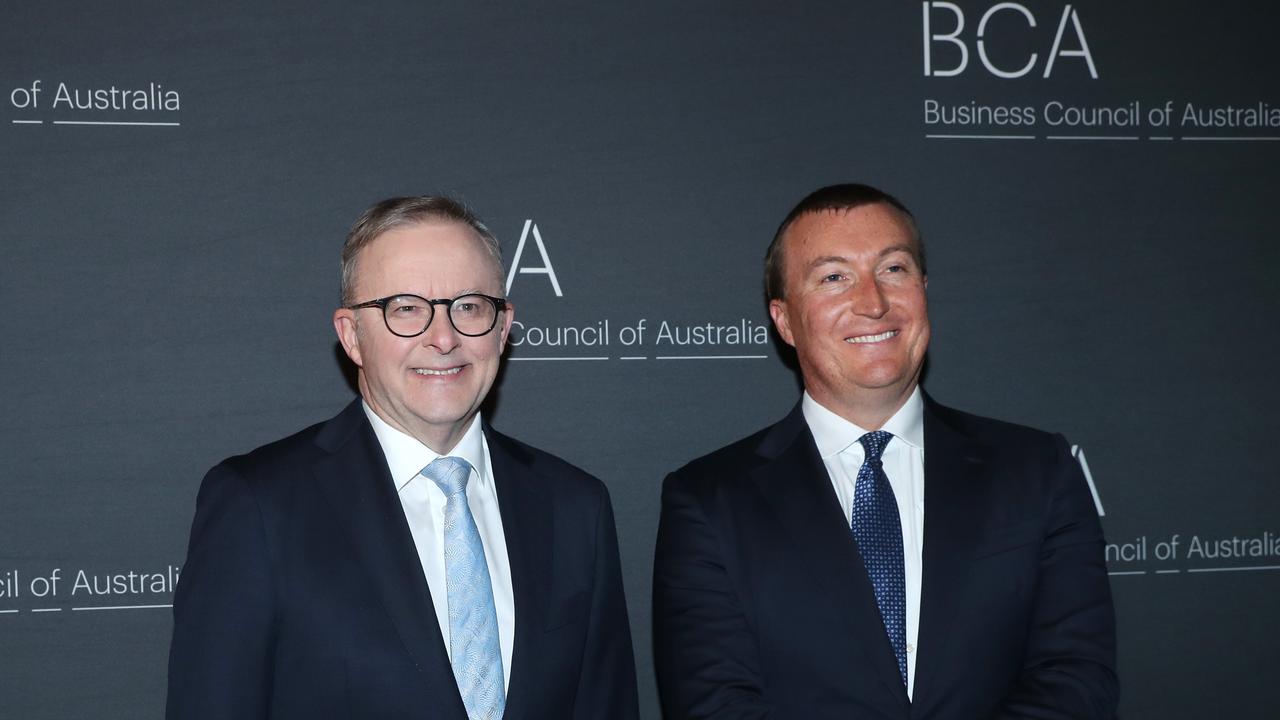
x,y
167,288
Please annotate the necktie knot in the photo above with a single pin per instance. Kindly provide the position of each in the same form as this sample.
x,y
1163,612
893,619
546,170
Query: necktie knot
x,y
874,444
450,474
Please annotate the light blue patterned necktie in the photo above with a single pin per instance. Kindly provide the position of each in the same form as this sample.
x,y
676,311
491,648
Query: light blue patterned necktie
x,y
474,651
878,530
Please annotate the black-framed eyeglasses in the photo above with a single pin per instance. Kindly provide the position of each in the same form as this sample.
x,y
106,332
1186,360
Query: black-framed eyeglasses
x,y
473,314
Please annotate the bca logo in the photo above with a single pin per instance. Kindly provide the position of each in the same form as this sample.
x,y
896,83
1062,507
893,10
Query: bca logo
x,y
531,230
1078,453
950,15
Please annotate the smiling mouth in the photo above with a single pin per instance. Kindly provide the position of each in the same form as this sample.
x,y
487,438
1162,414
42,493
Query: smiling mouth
x,y
863,339
430,372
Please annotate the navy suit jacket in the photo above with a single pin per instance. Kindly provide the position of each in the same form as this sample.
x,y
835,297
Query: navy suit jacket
x,y
763,609
303,597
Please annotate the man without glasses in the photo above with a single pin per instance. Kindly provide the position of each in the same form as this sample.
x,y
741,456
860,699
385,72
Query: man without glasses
x,y
404,559
875,554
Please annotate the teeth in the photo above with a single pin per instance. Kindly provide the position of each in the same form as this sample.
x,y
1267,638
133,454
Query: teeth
x,y
872,338
427,371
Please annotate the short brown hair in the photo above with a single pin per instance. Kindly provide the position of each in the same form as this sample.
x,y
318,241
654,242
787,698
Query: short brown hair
x,y
400,211
846,196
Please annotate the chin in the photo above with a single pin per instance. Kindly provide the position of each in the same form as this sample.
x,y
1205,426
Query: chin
x,y
881,382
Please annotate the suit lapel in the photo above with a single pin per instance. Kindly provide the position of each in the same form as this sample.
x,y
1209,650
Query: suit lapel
x,y
527,517
355,481
796,486
953,481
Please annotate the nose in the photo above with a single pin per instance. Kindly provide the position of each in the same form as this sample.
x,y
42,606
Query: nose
x,y
869,298
440,333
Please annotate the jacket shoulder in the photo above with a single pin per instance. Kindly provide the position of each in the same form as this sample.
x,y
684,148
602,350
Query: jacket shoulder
x,y
552,468
287,452
990,431
729,463
290,460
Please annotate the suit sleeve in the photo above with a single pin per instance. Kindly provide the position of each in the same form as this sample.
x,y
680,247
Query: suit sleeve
x,y
607,686
220,659
1069,670
706,656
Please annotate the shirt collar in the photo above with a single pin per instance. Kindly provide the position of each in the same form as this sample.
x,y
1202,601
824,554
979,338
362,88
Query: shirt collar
x,y
832,433
406,456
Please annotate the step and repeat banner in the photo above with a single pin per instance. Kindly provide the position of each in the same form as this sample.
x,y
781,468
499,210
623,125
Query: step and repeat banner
x,y
1096,183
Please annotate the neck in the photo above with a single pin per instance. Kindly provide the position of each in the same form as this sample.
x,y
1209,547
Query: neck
x,y
441,443
440,438
869,411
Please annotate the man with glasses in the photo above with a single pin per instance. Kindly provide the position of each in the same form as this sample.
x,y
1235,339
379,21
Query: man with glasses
x,y
404,559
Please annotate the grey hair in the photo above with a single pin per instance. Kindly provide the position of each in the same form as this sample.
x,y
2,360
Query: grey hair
x,y
400,211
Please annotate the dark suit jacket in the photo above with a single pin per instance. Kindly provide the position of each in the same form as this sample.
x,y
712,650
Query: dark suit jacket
x,y
303,597
762,607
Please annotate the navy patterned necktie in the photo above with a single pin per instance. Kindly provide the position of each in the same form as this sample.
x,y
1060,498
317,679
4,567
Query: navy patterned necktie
x,y
877,528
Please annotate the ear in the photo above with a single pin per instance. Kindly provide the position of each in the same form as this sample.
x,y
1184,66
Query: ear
x,y
344,324
508,316
778,311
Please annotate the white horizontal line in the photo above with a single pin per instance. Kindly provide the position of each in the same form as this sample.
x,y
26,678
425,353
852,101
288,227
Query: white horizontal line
x,y
1160,137
1166,572
1092,137
982,137
123,607
1128,572
114,122
1233,569
633,357
46,609
558,358
7,612
1230,137
711,357
28,122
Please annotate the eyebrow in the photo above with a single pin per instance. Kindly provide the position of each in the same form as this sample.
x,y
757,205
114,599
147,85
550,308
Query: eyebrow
x,y
826,259
455,297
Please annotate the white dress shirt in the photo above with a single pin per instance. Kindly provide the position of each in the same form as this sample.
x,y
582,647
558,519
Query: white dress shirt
x,y
423,502
903,459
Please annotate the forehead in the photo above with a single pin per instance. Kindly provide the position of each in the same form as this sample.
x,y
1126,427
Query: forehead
x,y
433,252
866,229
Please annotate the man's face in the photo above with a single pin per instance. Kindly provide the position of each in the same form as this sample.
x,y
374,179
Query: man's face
x,y
854,308
429,386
